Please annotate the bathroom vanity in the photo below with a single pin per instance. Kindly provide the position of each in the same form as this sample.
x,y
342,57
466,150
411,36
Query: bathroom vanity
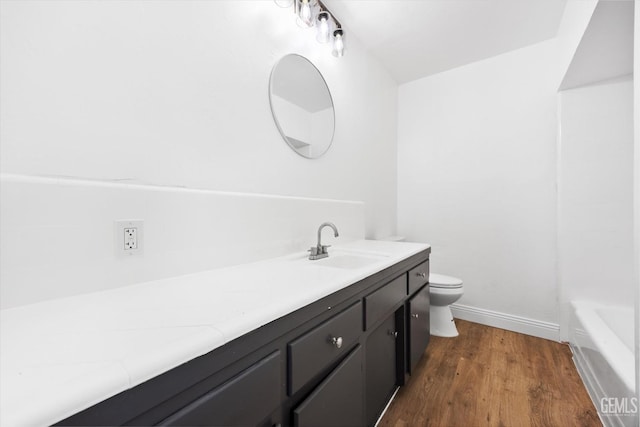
x,y
337,359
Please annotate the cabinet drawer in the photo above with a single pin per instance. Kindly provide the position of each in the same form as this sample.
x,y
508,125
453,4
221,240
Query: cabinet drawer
x,y
256,388
418,276
313,351
381,302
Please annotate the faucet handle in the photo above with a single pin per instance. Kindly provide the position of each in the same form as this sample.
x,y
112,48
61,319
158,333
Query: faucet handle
x,y
324,248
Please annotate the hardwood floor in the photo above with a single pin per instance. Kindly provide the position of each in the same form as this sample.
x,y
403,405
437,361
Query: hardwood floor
x,y
492,377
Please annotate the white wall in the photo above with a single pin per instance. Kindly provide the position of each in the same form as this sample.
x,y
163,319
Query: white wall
x,y
476,179
58,235
176,93
595,194
320,133
140,106
636,186
477,162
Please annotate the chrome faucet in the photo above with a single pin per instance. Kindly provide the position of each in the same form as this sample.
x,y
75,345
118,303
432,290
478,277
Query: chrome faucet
x,y
320,251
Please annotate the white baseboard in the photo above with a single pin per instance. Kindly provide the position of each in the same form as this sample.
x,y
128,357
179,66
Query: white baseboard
x,y
588,379
510,322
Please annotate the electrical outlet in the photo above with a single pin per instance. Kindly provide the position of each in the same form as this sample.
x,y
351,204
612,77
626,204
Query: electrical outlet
x,y
128,237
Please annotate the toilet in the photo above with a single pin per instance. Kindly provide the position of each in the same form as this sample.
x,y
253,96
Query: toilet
x,y
443,291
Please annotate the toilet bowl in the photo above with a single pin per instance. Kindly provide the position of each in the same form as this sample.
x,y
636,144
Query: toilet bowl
x,y
443,291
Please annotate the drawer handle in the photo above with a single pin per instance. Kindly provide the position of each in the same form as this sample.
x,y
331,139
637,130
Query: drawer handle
x,y
336,341
415,315
423,275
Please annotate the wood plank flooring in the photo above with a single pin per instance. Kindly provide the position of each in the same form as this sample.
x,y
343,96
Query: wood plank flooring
x,y
492,377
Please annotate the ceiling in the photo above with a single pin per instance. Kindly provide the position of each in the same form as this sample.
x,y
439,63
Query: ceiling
x,y
417,38
606,48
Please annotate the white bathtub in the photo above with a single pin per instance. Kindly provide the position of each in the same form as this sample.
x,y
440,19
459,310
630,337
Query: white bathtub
x,y
602,341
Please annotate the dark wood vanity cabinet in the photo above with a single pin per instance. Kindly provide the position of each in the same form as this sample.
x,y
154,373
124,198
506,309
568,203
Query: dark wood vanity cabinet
x,y
335,362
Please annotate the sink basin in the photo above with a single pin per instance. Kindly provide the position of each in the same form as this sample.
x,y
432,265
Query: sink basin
x,y
348,261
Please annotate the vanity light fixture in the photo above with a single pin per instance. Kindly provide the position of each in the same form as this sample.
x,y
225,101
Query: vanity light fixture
x,y
310,13
324,31
305,12
338,43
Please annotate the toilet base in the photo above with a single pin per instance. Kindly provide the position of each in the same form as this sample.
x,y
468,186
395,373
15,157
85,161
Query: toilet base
x,y
441,322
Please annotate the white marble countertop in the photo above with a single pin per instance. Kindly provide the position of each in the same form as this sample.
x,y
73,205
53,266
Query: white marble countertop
x,y
61,356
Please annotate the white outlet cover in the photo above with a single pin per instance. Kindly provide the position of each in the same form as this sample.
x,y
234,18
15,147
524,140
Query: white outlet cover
x,y
120,230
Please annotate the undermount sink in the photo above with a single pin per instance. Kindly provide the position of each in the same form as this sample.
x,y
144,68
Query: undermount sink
x,y
348,261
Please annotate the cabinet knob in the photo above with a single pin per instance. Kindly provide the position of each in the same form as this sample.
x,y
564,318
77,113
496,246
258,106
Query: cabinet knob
x,y
336,341
423,275
415,315
393,334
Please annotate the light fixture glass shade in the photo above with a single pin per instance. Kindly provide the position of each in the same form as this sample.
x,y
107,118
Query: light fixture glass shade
x,y
324,25
338,43
306,12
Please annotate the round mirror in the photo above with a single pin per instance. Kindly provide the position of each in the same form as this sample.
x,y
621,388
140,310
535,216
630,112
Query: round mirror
x,y
302,106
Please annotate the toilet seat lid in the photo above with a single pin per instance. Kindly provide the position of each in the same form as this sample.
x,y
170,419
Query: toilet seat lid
x,y
442,281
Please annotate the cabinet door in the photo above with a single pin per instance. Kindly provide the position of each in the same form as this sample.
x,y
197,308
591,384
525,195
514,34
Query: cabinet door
x,y
418,326
381,359
337,401
245,400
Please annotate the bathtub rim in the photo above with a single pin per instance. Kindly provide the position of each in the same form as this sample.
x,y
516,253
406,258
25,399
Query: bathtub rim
x,y
621,358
